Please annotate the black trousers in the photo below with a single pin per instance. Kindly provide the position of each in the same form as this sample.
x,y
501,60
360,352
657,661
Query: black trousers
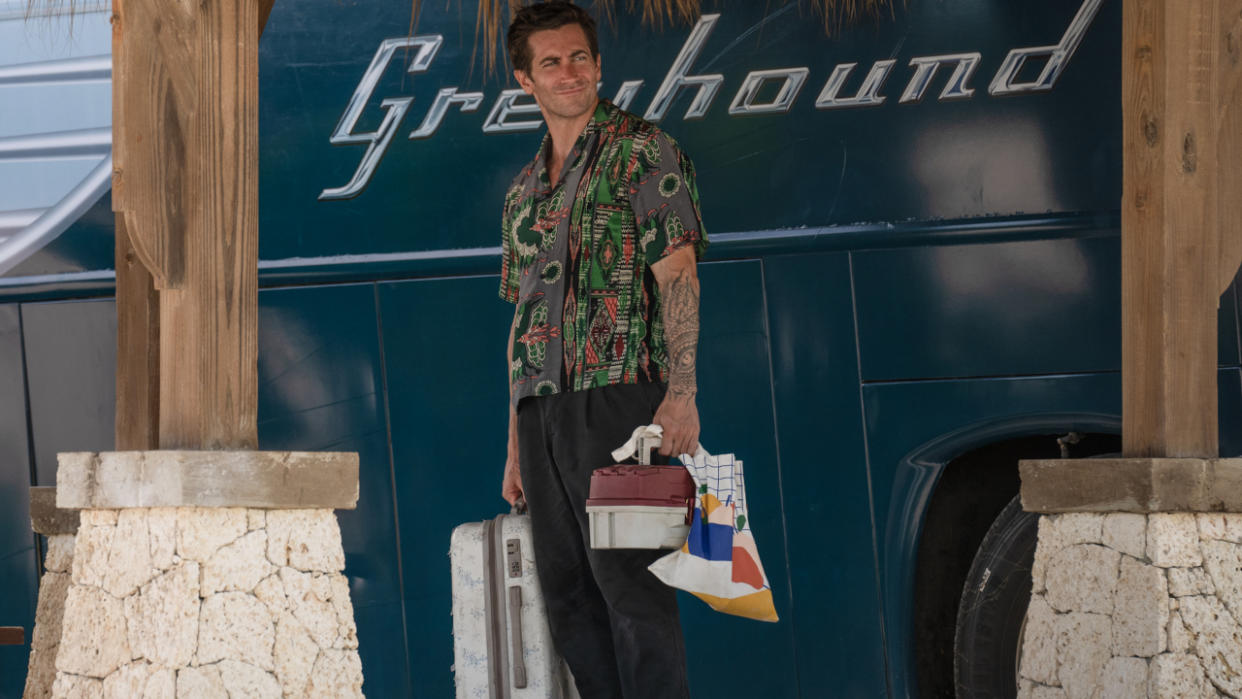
x,y
613,621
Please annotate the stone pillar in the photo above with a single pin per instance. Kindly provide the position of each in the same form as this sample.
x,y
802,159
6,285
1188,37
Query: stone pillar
x,y
1137,579
60,528
208,574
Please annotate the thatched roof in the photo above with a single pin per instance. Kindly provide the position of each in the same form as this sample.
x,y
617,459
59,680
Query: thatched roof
x,y
493,15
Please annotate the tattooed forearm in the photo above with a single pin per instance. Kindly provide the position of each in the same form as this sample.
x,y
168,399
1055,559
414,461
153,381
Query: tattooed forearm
x,y
681,333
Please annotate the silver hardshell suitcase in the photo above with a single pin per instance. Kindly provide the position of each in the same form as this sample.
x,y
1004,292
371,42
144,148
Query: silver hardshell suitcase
x,y
502,648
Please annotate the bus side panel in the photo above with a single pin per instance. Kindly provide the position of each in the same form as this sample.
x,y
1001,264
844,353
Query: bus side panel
x,y
321,389
735,409
17,555
1229,417
443,343
1227,339
1031,307
71,367
986,310
837,620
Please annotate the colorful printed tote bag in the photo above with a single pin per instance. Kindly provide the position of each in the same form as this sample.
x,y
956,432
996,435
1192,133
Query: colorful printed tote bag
x,y
719,562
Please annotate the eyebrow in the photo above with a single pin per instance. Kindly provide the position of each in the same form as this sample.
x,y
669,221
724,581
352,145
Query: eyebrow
x,y
579,52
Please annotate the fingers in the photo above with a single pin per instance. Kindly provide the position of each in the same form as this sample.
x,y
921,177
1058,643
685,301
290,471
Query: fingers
x,y
671,443
680,420
690,442
679,447
511,484
511,492
678,441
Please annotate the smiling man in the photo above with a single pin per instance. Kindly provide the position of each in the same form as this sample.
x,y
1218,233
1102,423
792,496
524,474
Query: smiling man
x,y
601,236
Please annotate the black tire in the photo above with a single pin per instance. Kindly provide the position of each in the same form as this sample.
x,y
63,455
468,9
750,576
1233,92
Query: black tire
x,y
993,607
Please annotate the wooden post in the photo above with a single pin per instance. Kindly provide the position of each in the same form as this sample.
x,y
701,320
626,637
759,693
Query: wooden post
x,y
185,85
209,334
1171,242
1229,131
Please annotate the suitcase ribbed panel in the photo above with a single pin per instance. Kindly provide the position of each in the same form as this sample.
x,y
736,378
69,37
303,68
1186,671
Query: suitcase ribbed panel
x,y
504,546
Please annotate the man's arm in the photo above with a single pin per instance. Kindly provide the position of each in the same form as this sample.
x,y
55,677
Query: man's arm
x,y
511,484
679,291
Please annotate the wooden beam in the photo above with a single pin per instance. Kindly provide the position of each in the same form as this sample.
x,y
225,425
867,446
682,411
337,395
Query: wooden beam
x,y
137,303
48,519
138,348
265,11
12,636
1170,242
154,101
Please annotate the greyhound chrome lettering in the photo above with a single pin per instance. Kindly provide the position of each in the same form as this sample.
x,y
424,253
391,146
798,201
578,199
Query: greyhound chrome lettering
x,y
513,111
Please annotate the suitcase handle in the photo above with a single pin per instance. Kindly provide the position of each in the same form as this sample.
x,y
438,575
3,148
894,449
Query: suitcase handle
x,y
517,654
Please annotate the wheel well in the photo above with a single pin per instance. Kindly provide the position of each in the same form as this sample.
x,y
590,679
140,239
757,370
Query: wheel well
x,y
972,490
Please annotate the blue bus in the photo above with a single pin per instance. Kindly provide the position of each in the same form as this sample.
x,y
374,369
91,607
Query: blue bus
x,y
913,282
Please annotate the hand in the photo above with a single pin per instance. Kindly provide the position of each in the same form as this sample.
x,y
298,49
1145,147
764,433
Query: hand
x,y
511,484
679,417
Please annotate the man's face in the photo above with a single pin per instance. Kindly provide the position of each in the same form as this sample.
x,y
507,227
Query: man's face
x,y
563,73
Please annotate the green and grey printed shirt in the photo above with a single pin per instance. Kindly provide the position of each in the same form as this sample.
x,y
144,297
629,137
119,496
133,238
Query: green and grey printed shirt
x,y
576,256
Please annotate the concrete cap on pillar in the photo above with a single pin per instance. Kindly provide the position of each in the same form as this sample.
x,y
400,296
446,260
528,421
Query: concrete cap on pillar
x,y
1131,485
48,519
172,478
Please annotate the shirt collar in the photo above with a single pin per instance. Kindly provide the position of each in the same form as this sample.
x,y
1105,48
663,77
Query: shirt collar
x,y
604,111
603,114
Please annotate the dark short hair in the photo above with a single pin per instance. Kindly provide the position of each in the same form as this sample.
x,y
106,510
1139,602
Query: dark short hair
x,y
546,15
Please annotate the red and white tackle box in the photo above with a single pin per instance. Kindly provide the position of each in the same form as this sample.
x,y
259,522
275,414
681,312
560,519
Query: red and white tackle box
x,y
640,506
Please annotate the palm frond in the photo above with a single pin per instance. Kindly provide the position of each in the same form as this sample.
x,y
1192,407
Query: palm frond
x,y
50,10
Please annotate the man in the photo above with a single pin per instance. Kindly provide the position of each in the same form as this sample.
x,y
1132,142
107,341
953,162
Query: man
x,y
601,235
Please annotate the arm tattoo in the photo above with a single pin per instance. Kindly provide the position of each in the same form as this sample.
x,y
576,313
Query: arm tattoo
x,y
681,332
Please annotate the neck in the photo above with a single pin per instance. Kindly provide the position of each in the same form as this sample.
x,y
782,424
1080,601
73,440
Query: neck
x,y
565,133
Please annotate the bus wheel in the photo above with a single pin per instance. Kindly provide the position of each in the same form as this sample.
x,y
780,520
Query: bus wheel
x,y
992,612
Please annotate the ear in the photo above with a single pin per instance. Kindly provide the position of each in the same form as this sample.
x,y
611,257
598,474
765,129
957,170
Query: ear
x,y
524,80
599,68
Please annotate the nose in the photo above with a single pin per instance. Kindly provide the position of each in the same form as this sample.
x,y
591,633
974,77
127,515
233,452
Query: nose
x,y
569,71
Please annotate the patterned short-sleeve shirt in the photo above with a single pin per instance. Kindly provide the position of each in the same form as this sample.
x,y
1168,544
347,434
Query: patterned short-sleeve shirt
x,y
576,256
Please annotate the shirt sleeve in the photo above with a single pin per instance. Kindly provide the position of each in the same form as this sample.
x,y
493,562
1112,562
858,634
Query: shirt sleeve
x,y
509,268
665,199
